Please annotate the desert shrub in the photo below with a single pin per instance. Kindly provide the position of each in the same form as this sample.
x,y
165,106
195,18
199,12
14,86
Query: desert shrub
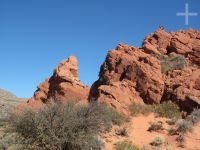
x,y
117,118
62,127
180,139
7,140
4,111
172,63
125,145
178,62
183,126
165,67
194,117
167,109
136,109
122,132
171,121
144,147
155,126
2,122
172,131
157,141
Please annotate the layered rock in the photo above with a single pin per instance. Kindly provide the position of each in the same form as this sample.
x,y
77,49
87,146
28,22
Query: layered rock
x,y
128,75
63,85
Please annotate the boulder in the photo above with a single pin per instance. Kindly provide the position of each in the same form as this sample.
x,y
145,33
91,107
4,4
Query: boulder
x,y
157,42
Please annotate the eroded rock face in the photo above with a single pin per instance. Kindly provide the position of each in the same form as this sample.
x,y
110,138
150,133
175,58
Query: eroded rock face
x,y
131,74
63,85
182,86
128,75
185,42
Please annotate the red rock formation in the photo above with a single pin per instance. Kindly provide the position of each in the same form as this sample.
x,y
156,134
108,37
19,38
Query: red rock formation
x,y
181,86
130,74
63,85
185,42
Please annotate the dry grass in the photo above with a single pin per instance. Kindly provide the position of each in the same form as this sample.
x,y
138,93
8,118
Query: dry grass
x,y
125,145
136,109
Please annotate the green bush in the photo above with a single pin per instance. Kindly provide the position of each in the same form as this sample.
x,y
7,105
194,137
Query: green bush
x,y
167,109
62,127
178,62
165,66
136,109
172,63
117,118
125,145
157,141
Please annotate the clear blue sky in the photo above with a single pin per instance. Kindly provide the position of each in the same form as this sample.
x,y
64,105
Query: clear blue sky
x,y
35,35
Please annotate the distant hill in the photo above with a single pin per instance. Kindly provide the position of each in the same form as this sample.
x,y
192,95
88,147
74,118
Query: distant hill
x,y
7,97
7,94
7,101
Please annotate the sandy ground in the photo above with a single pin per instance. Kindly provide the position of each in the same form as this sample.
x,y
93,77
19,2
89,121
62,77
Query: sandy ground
x,y
137,133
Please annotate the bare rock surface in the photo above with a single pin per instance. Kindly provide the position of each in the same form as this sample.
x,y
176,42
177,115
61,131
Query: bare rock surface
x,y
185,42
128,75
131,74
181,86
63,85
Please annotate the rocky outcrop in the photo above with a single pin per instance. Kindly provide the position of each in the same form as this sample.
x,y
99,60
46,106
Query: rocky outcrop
x,y
132,74
184,42
128,75
183,87
63,85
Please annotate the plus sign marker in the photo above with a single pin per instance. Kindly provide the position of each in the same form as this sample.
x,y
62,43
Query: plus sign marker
x,y
186,14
